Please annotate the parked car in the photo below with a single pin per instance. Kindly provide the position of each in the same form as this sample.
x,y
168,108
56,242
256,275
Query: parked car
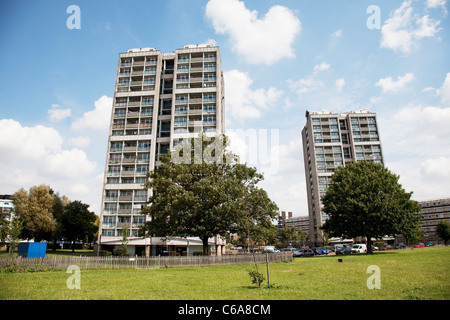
x,y
428,244
374,248
400,246
387,247
303,253
419,245
270,249
359,248
344,250
288,249
236,248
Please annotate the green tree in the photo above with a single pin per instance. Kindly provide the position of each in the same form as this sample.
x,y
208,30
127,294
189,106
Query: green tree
x,y
4,226
77,222
443,231
365,199
206,194
13,238
58,211
288,234
35,210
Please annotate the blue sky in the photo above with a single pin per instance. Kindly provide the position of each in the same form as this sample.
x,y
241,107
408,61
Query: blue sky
x,y
279,58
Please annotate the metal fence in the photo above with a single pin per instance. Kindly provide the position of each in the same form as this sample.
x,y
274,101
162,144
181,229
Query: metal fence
x,y
112,262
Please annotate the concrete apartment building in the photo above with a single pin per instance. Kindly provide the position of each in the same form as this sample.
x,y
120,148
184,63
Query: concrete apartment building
x,y
159,99
285,219
433,212
332,140
6,206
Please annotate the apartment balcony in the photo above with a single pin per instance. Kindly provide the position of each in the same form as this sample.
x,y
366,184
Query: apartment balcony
x,y
130,148
197,69
145,125
136,83
128,160
123,225
124,211
128,173
151,62
119,114
133,114
196,79
195,100
138,63
113,199
134,103
137,73
125,198
195,111
132,125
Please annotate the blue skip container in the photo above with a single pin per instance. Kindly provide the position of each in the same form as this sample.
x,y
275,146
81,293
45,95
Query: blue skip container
x,y
32,249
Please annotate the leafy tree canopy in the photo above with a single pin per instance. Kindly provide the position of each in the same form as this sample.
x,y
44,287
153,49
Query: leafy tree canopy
x,y
206,194
365,199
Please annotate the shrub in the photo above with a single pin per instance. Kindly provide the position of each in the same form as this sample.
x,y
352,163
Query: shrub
x,y
104,253
121,253
256,277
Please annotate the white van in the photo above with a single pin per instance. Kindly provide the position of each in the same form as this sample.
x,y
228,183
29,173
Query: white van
x,y
359,248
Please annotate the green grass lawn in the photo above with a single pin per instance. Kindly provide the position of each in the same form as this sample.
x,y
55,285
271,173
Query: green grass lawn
x,y
422,273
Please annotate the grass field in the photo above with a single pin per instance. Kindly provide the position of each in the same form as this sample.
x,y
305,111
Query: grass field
x,y
422,273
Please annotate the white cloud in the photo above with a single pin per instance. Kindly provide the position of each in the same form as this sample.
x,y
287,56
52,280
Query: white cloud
x,y
437,3
37,154
402,31
444,91
260,41
305,85
80,142
374,100
389,85
337,34
281,162
97,119
415,147
340,83
242,101
67,164
29,143
321,67
56,114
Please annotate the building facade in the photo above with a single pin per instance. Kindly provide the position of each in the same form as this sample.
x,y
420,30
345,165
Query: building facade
x,y
433,212
332,140
6,206
159,99
285,219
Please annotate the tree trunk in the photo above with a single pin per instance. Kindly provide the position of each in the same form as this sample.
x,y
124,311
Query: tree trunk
x,y
205,245
369,245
